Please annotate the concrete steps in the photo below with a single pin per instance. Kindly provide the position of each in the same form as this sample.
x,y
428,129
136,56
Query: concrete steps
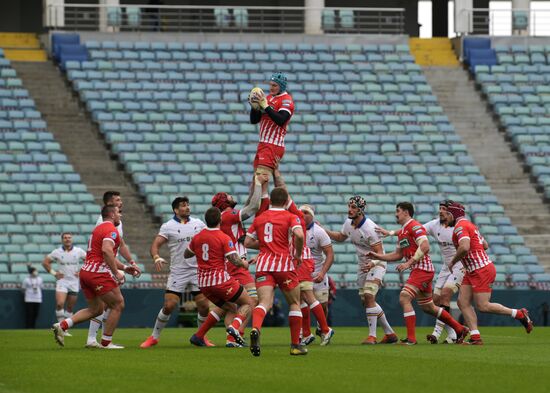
x,y
86,150
504,170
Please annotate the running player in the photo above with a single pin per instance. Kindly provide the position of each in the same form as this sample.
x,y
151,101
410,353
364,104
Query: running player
x,y
110,198
480,274
412,244
447,282
318,241
274,114
270,234
100,278
360,229
232,225
177,233
212,248
68,258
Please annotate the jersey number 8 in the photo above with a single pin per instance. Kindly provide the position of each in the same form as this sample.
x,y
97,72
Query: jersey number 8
x,y
205,252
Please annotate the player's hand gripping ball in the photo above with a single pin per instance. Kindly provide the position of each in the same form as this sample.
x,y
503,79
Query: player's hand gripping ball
x,y
254,98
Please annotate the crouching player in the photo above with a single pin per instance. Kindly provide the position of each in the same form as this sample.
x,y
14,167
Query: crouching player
x,y
100,277
212,247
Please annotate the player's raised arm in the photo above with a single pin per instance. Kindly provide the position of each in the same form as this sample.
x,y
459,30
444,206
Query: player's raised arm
x,y
158,242
253,204
278,178
298,233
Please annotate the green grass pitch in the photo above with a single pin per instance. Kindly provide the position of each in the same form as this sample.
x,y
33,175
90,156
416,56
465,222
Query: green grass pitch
x,y
510,361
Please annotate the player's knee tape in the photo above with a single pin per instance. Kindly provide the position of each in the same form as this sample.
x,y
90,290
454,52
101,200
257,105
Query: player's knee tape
x,y
454,287
261,170
409,291
252,292
306,286
424,301
321,296
371,288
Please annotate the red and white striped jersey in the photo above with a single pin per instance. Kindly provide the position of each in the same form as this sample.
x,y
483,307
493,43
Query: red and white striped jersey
x,y
273,229
407,237
211,247
476,257
233,227
270,132
94,255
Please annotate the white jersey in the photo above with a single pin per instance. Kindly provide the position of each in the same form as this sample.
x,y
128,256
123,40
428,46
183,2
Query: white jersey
x,y
179,235
363,237
444,237
118,227
68,262
33,289
316,239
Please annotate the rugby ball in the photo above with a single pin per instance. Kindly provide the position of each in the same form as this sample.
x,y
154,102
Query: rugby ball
x,y
255,91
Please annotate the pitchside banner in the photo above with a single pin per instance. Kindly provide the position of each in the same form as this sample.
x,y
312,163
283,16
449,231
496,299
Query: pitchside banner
x,y
143,305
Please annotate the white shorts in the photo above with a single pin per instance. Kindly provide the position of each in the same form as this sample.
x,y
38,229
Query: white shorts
x,y
181,279
321,289
446,278
67,286
376,273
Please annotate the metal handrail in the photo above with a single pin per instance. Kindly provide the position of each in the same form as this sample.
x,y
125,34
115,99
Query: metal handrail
x,y
253,19
527,22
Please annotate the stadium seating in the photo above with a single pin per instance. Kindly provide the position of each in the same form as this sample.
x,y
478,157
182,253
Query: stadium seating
x,y
366,123
41,195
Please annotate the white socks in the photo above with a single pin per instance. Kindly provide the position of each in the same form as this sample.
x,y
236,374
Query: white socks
x,y
96,323
374,315
160,323
60,315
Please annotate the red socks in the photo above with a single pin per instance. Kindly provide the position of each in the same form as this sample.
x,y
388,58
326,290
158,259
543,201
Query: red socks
x,y
295,323
410,321
446,317
306,321
258,316
211,320
519,314
319,313
238,321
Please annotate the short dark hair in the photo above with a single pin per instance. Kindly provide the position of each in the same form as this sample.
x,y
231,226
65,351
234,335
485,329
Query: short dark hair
x,y
279,196
406,206
107,210
65,233
213,216
109,195
176,202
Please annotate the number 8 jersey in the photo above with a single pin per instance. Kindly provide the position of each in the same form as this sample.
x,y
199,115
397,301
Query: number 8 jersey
x,y
273,229
211,247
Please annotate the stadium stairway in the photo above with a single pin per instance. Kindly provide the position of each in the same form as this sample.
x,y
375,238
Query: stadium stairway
x,y
433,52
85,149
22,47
501,166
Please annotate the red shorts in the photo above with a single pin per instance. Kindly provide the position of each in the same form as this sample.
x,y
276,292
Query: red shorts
x,y
96,284
422,280
482,279
305,270
268,155
285,280
243,276
228,291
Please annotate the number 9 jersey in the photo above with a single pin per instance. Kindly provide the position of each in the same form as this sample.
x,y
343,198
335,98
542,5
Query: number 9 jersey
x,y
273,229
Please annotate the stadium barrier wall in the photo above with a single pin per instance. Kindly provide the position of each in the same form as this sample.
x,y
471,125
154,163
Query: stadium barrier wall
x,y
142,306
